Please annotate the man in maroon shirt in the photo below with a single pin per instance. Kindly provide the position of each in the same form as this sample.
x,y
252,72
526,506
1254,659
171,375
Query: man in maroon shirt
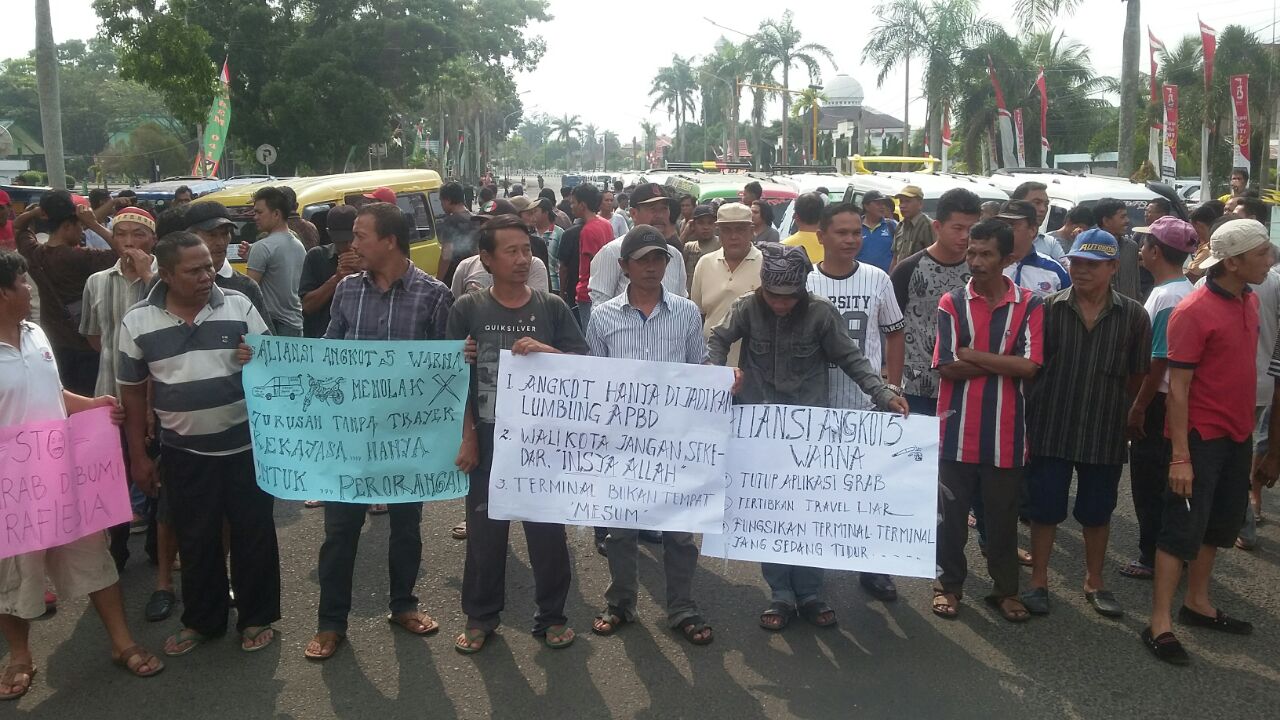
x,y
596,233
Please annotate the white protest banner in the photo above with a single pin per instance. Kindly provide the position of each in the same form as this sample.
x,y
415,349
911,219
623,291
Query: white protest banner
x,y
608,442
838,489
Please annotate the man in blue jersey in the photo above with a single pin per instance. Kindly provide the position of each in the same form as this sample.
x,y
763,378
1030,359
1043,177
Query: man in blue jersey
x,y
1030,269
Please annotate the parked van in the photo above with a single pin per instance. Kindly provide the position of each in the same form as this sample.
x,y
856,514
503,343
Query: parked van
x,y
705,187
160,194
417,194
1066,191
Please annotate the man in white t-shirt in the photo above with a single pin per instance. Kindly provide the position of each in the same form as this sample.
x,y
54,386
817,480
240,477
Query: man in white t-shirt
x,y
864,296
30,391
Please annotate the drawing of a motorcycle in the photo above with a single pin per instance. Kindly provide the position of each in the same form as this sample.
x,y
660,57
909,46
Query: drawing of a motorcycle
x,y
326,390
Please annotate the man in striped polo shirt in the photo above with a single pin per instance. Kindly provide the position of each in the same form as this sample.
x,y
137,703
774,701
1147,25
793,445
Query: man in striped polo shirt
x,y
646,322
187,338
990,341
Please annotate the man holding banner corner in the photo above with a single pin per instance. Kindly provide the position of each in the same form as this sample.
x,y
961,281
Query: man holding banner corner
x,y
791,336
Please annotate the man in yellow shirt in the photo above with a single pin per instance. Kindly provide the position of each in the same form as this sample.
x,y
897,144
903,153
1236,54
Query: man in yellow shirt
x,y
808,214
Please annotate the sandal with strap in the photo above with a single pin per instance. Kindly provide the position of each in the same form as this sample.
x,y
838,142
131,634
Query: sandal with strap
x,y
946,605
471,641
126,660
608,622
1138,570
1010,608
10,678
813,611
563,637
779,610
415,621
692,627
330,639
251,635
459,531
185,635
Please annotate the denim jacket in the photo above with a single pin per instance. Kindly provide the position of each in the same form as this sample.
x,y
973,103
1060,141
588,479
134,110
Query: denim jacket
x,y
785,359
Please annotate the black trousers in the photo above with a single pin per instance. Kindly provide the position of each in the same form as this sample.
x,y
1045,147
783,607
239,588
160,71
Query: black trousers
x,y
342,524
78,370
1149,476
203,491
484,576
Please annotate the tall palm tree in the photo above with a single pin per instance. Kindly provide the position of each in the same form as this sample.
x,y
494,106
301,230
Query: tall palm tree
x,y
807,102
609,144
589,132
778,43
1129,86
759,77
673,88
940,33
1041,13
565,129
727,66
650,132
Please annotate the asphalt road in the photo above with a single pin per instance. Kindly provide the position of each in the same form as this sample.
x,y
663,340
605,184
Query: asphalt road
x,y
894,660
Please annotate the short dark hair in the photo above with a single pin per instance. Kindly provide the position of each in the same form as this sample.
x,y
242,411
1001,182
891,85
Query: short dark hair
x,y
170,247
993,228
565,190
957,201
1105,208
187,189
673,210
1207,212
831,211
1255,208
766,211
452,192
488,192
548,193
12,266
290,199
588,194
754,188
1242,172
488,236
1022,191
1162,204
274,199
98,196
1024,211
547,206
389,221
127,193
1080,215
1171,255
809,208
173,219
617,186
58,207
690,198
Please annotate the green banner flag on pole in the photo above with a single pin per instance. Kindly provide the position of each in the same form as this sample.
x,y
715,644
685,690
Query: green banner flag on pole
x,y
216,125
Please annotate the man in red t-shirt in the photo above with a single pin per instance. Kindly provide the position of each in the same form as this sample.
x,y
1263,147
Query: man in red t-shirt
x,y
596,233
1213,338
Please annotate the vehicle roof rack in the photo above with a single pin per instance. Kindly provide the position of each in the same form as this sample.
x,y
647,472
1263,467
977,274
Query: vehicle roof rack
x,y
720,166
805,170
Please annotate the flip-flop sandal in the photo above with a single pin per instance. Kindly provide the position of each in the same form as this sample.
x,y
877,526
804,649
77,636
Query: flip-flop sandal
x,y
1024,558
10,678
779,610
337,640
125,660
813,611
944,609
691,626
564,632
184,636
613,618
312,504
459,531
470,637
1137,571
429,626
1017,614
248,636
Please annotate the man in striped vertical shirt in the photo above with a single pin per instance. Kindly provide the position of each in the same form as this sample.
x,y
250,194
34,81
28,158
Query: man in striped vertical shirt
x,y
990,341
648,323
187,337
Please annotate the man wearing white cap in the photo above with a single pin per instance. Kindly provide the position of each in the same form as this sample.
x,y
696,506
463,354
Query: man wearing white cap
x,y
1213,335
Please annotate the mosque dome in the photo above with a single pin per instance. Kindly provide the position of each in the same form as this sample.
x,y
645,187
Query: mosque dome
x,y
843,91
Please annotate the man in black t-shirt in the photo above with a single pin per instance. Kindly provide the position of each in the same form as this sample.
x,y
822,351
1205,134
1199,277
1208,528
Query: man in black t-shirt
x,y
567,256
324,267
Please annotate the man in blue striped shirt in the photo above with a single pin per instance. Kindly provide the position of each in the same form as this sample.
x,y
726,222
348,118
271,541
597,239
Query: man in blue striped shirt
x,y
187,338
647,323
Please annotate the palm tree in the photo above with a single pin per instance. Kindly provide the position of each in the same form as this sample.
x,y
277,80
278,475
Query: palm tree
x,y
1034,13
760,78
609,144
589,144
1128,86
727,65
565,129
673,87
650,132
778,43
940,33
807,102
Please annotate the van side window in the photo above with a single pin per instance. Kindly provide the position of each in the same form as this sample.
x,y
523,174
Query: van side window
x,y
1056,219
415,205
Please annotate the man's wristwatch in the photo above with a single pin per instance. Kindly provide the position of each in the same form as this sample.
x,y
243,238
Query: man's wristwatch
x,y
897,389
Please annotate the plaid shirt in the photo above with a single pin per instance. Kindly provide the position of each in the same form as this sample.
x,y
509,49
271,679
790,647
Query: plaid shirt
x,y
415,307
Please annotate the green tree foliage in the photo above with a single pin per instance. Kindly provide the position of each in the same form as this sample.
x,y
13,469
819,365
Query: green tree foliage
x,y
131,156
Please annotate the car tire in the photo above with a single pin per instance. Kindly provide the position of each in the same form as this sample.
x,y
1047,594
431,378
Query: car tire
x,y
267,396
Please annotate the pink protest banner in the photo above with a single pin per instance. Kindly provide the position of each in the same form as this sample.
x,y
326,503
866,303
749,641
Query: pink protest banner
x,y
59,481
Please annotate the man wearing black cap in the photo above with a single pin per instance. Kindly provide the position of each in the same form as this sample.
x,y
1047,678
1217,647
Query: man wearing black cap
x,y
781,313
700,238
650,206
648,323
211,222
324,267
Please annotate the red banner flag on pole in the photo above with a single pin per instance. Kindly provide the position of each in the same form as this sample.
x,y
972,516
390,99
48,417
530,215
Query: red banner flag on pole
x,y
1240,117
1155,45
1004,121
1044,119
1169,159
1209,40
946,139
1020,134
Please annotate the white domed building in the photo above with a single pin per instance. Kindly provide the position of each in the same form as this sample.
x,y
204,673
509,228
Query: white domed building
x,y
845,117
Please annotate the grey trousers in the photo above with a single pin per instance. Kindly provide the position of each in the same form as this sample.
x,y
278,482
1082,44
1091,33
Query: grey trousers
x,y
679,560
792,584
1001,490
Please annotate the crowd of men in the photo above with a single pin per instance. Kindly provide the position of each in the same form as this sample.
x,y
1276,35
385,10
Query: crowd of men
x,y
1046,358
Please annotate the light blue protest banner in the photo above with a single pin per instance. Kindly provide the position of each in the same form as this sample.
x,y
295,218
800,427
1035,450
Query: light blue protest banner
x,y
364,422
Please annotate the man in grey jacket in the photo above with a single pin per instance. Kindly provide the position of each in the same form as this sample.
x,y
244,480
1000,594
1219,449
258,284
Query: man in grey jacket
x,y
790,337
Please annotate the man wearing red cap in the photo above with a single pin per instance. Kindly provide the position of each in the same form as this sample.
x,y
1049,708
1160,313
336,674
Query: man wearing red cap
x,y
382,194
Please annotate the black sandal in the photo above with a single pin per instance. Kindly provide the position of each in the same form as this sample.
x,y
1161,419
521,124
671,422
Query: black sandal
x,y
692,626
813,611
1165,647
613,617
780,610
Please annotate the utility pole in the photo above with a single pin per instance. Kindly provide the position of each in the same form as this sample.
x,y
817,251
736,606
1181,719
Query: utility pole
x,y
906,108
50,99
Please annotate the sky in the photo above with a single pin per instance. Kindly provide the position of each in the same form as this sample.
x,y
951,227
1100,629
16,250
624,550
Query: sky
x,y
629,52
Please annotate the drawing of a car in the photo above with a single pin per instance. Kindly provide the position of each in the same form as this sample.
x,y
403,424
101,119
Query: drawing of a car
x,y
289,386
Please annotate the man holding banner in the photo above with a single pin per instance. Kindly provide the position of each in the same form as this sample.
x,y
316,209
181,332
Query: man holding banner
x,y
391,299
31,392
648,323
507,316
791,336
187,338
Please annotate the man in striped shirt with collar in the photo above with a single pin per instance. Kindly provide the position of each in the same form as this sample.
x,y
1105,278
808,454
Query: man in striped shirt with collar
x,y
990,341
646,322
391,299
187,337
